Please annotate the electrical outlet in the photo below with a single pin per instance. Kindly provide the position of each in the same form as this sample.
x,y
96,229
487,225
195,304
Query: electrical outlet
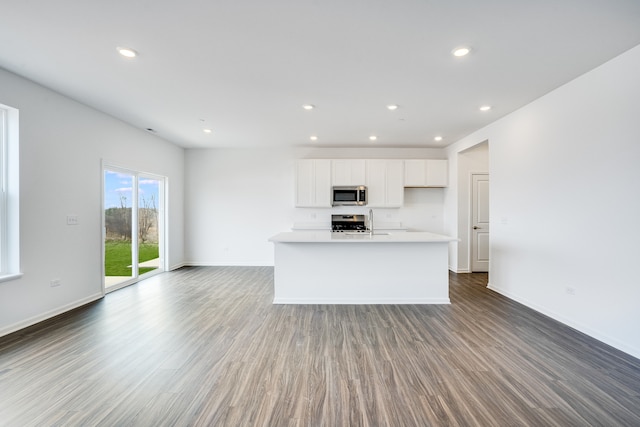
x,y
55,282
72,219
571,291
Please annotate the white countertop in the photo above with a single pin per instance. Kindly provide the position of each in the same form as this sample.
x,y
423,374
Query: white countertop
x,y
378,237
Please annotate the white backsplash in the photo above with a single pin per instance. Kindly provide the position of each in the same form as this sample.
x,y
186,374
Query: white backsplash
x,y
423,210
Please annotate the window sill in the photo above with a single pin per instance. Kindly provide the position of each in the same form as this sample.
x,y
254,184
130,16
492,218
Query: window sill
x,y
10,276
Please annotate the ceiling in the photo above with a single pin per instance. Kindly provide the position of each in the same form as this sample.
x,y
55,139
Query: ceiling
x,y
244,68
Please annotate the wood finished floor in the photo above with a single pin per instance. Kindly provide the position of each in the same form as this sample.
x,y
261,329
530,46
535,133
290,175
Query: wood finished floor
x,y
205,346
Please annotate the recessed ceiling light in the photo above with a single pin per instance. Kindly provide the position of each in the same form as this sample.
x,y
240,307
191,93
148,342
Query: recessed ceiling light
x,y
127,52
308,106
392,107
485,108
313,138
461,51
206,130
437,138
373,137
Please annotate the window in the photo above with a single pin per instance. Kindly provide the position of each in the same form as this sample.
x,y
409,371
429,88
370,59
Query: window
x,y
9,195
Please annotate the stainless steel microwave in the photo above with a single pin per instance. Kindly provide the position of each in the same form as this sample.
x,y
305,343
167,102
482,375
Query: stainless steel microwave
x,y
355,195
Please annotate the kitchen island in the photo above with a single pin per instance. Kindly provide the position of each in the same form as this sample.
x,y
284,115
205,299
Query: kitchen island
x,y
321,267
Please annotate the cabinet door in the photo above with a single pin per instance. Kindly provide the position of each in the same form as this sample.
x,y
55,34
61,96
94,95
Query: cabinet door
x,y
358,171
415,173
394,180
376,183
322,190
437,173
313,183
348,172
385,183
426,173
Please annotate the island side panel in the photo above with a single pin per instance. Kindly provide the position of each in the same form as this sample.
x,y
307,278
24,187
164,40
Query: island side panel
x,y
361,273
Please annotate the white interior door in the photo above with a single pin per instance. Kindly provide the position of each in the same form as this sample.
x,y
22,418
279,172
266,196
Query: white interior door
x,y
480,222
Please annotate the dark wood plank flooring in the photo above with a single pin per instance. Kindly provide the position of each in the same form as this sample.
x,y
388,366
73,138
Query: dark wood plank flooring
x,y
205,346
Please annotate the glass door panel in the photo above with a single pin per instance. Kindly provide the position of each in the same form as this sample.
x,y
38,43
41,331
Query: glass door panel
x,y
149,225
118,227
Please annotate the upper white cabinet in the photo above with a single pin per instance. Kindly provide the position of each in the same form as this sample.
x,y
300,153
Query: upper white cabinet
x,y
437,173
426,173
313,183
348,171
385,179
385,183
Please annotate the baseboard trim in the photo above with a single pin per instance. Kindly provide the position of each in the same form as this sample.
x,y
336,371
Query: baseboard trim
x,y
177,266
49,314
225,264
359,301
458,270
635,352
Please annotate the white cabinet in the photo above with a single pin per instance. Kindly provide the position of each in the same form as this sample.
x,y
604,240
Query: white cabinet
x,y
395,189
437,173
426,173
313,183
348,172
415,173
385,179
385,183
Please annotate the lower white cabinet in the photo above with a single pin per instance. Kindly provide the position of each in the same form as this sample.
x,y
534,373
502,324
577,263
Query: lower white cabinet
x,y
313,183
385,180
426,173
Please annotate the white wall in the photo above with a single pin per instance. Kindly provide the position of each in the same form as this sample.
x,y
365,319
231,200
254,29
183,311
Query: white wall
x,y
423,210
237,198
565,203
62,143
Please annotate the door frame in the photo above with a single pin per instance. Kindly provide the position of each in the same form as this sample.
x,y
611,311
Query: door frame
x,y
162,224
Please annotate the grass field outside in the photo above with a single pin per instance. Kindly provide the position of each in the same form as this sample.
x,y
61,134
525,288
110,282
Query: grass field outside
x,y
117,257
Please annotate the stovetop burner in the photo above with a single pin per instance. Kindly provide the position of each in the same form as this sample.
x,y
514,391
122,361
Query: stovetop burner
x,y
342,223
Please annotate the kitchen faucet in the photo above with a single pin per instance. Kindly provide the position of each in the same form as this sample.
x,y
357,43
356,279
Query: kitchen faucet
x,y
370,222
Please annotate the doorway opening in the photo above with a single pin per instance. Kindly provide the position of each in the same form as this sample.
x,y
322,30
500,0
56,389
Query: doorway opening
x,y
133,226
472,161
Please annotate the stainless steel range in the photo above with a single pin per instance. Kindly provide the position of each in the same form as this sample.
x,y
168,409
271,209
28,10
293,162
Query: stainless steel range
x,y
350,223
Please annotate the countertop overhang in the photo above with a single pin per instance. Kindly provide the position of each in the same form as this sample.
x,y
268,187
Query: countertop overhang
x,y
382,237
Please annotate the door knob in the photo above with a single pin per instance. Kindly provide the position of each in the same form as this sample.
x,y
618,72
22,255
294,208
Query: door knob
x,y
475,227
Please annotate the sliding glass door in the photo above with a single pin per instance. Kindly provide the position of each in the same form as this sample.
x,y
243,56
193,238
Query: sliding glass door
x,y
149,224
133,218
